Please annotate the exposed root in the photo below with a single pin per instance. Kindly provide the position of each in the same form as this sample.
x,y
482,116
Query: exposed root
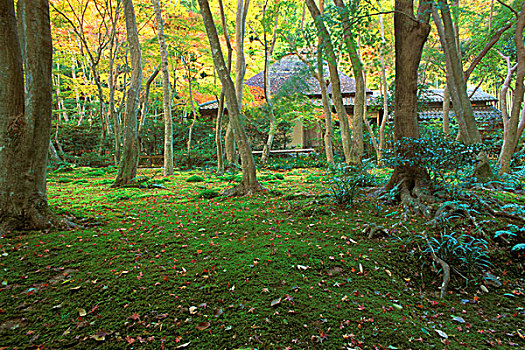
x,y
35,219
446,271
243,190
371,229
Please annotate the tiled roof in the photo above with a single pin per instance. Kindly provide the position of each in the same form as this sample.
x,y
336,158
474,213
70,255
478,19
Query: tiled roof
x,y
436,95
488,114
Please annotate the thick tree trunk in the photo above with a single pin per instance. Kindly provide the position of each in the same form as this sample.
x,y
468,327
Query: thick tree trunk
x,y
249,179
130,151
411,33
25,123
511,137
334,78
359,114
166,93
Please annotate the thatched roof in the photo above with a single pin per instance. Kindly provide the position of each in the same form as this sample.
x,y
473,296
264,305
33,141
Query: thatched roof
x,y
293,75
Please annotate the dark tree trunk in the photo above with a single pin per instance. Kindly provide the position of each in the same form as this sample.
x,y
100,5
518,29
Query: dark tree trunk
x,y
25,121
127,170
411,32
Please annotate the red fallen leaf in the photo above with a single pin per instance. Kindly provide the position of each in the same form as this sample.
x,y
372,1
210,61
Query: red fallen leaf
x,y
130,340
203,325
135,316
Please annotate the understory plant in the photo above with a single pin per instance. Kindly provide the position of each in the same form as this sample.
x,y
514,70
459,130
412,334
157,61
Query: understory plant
x,y
347,180
464,253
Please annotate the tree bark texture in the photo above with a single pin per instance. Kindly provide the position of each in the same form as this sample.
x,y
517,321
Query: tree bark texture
x,y
455,78
359,115
249,179
510,136
25,118
130,151
267,88
166,92
411,33
334,79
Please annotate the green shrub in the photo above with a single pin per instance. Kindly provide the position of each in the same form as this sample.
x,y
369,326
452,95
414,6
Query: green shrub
x,y
435,151
195,178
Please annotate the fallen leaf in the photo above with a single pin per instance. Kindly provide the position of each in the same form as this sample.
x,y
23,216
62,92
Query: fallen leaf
x,y
193,310
82,312
275,302
182,346
442,334
218,312
458,319
203,325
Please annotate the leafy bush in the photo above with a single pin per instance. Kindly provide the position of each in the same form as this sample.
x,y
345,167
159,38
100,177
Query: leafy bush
x,y
347,180
435,151
463,253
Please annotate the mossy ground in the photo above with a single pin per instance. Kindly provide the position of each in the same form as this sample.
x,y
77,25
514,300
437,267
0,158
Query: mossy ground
x,y
170,268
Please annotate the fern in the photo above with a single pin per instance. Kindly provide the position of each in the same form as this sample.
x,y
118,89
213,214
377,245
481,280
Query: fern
x,y
520,247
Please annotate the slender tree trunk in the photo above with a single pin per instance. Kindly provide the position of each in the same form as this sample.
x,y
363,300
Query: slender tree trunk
x,y
468,129
144,109
25,123
385,87
511,137
240,70
166,93
249,179
218,138
220,109
267,88
446,110
334,78
130,150
327,110
359,114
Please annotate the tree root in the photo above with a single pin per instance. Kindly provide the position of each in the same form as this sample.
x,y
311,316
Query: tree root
x,y
34,218
243,190
446,271
371,228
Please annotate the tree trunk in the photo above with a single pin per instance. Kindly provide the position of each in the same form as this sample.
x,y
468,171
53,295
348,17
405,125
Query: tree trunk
x,y
468,130
130,151
359,114
267,88
166,93
218,138
446,110
220,109
385,87
249,179
511,137
25,123
334,78
411,33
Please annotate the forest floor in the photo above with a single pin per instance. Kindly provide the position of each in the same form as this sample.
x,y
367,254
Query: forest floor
x,y
182,268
